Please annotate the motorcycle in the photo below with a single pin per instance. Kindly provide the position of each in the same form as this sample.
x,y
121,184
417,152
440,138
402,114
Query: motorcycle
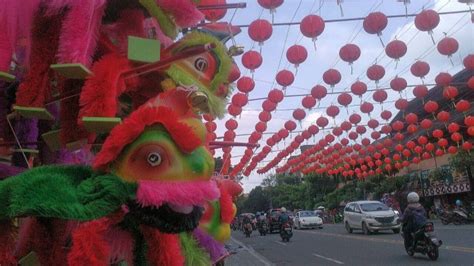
x,y
457,217
286,232
262,228
424,242
247,229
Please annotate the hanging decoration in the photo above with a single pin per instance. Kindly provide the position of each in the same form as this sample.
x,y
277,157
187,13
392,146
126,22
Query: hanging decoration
x,y
285,78
312,26
245,84
427,20
213,15
405,3
252,60
308,102
319,92
349,53
396,49
270,5
260,30
296,55
375,23
359,88
376,72
420,69
332,77
448,46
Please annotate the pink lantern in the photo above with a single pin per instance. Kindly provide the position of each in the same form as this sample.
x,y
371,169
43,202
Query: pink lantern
x,y
234,110
359,88
443,79
420,69
322,121
344,99
376,73
427,20
276,96
312,26
296,54
308,102
269,106
375,23
386,115
355,119
332,111
366,107
252,60
420,91
396,49
401,104
299,114
245,84
265,116
349,53
332,77
448,46
290,125
380,96
260,30
261,127
398,84
319,92
231,124
270,5
239,99
285,78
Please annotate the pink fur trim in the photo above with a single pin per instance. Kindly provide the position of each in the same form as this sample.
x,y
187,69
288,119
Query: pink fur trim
x,y
80,32
184,12
156,193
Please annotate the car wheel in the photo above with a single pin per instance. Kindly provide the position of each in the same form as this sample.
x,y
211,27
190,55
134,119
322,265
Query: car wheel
x,y
365,230
348,228
396,231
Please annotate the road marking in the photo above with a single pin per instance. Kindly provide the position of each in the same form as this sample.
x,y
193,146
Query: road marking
x,y
391,241
329,259
252,252
278,242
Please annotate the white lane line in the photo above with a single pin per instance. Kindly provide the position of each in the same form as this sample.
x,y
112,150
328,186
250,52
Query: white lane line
x,y
252,252
278,242
329,259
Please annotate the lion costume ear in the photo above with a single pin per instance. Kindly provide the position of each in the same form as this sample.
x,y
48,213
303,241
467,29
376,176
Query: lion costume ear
x,y
65,192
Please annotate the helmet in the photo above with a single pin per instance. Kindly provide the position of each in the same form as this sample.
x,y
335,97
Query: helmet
x,y
283,209
458,203
413,197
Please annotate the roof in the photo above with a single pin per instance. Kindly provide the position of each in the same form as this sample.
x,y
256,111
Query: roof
x,y
365,201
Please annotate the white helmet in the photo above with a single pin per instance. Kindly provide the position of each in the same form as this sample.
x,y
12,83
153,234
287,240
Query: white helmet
x,y
283,209
413,197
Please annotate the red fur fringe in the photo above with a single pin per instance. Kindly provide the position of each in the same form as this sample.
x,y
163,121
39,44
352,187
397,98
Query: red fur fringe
x,y
89,244
134,125
100,92
7,243
69,112
36,86
163,249
227,209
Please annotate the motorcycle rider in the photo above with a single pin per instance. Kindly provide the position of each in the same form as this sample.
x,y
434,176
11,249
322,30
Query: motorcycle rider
x,y
413,218
284,217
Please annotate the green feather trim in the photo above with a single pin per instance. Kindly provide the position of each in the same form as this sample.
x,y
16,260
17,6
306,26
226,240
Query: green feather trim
x,y
65,192
166,23
225,62
193,254
216,104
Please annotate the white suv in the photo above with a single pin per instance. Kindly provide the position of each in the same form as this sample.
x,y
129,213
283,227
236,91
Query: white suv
x,y
370,216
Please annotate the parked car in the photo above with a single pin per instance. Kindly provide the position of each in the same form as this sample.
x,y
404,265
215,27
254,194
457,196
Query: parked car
x,y
370,216
272,220
307,219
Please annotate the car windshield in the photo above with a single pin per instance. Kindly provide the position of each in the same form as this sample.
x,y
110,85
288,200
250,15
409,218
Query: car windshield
x,y
372,207
307,214
276,213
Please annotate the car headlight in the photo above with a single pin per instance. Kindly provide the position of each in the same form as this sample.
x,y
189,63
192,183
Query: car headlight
x,y
396,212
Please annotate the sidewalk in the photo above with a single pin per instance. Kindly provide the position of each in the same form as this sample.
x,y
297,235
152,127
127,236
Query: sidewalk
x,y
243,255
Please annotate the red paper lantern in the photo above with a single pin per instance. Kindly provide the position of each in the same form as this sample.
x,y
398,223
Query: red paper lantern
x,y
398,84
380,96
239,99
332,77
229,135
420,69
427,20
463,106
270,4
426,124
332,111
398,125
252,60
375,23
283,133
260,30
437,133
208,117
375,72
211,126
276,96
469,121
270,142
452,150
456,137
468,62
401,104
453,127
285,78
386,129
290,125
353,135
410,145
470,83
450,92
213,14
431,106
337,131
443,116
312,26
308,102
344,99
322,121
349,53
346,126
245,84
396,49
366,108
358,88
319,92
467,146
470,131
411,118
361,130
296,54
269,106
420,91
443,79
231,124
299,114
261,127
355,119
442,142
448,46
313,130
386,115
264,116
412,129
375,135
234,110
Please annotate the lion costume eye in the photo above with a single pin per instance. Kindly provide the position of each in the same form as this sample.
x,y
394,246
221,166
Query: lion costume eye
x,y
154,159
201,64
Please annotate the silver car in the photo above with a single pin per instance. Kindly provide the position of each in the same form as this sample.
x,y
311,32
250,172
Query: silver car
x,y
370,216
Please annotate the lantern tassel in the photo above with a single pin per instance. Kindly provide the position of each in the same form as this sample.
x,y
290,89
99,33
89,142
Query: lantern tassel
x,y
396,63
352,69
406,9
340,8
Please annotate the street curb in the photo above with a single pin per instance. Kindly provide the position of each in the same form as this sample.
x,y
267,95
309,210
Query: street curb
x,y
252,252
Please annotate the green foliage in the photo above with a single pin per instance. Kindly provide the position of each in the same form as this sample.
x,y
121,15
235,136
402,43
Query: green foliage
x,y
462,161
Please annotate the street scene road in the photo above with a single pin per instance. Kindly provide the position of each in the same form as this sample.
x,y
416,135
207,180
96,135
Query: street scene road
x,y
332,245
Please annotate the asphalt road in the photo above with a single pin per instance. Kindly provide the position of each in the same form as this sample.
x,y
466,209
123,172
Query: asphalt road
x,y
332,245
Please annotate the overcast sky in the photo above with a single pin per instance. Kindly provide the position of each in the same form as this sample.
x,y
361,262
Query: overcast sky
x,y
335,35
